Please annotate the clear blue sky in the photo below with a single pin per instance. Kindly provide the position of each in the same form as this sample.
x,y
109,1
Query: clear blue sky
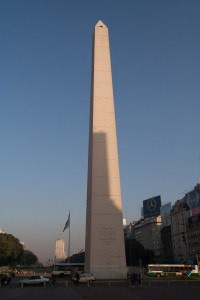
x,y
45,66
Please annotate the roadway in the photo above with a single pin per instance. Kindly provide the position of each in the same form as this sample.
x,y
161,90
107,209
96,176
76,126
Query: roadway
x,y
154,289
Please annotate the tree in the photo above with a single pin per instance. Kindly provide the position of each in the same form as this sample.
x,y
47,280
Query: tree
x,y
77,258
10,249
11,252
28,258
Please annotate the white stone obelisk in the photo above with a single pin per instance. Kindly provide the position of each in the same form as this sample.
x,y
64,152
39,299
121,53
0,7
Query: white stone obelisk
x,y
105,251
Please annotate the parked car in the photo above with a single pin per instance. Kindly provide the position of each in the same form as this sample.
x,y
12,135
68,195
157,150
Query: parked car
x,y
5,278
34,280
84,278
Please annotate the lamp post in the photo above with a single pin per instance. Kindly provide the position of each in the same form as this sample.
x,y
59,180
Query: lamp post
x,y
130,250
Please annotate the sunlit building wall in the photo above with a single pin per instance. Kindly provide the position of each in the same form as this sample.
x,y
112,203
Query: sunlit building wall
x,y
60,254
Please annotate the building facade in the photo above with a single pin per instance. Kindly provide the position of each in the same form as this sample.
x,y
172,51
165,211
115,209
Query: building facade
x,y
185,227
178,217
60,254
147,232
167,248
174,236
193,238
128,230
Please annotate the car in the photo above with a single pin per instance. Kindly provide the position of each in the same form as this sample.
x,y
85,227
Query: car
x,y
34,280
84,278
5,278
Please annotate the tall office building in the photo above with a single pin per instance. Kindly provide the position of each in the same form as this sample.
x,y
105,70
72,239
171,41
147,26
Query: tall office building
x,y
60,254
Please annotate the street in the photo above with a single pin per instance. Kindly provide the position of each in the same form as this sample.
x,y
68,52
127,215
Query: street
x,y
104,290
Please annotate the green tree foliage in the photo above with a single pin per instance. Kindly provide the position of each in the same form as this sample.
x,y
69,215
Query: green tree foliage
x,y
77,258
28,258
135,252
10,249
11,252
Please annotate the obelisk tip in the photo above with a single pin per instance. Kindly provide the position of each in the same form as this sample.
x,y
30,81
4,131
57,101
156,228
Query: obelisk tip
x,y
100,24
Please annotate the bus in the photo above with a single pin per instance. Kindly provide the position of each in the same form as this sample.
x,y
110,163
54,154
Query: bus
x,y
67,269
159,270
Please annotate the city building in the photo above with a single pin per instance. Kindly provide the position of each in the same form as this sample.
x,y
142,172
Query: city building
x,y
174,236
167,248
193,238
147,232
150,234
60,254
136,231
166,238
185,228
128,230
193,224
179,219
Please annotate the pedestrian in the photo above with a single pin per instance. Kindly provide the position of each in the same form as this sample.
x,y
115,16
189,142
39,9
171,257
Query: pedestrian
x,y
76,278
140,279
134,279
52,280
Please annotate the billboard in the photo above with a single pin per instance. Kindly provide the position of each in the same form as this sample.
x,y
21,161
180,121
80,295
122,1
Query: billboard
x,y
193,201
151,207
165,212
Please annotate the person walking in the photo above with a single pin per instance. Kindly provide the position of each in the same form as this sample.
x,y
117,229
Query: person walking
x,y
140,279
52,281
134,279
76,279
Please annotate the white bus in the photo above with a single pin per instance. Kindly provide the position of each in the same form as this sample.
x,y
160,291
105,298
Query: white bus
x,y
158,270
67,269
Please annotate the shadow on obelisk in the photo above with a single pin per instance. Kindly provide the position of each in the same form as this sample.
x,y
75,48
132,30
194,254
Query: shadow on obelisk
x,y
105,253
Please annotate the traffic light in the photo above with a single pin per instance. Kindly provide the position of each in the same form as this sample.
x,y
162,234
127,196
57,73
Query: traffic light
x,y
183,237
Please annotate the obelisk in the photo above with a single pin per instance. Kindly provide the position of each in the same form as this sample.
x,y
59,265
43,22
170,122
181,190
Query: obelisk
x,y
105,251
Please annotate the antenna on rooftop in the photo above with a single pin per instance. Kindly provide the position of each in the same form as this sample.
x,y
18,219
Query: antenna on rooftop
x,y
61,232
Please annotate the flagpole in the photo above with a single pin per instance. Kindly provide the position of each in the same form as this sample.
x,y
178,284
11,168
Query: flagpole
x,y
69,241
67,225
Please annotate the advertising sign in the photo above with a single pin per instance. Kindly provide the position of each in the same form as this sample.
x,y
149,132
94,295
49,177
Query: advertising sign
x,y
151,207
193,201
165,212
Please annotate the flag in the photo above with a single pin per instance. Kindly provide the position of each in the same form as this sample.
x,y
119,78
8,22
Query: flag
x,y
67,223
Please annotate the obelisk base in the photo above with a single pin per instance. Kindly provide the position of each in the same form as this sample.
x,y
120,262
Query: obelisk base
x,y
105,272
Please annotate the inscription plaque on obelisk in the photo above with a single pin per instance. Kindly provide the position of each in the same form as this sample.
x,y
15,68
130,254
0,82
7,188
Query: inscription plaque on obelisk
x,y
105,251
